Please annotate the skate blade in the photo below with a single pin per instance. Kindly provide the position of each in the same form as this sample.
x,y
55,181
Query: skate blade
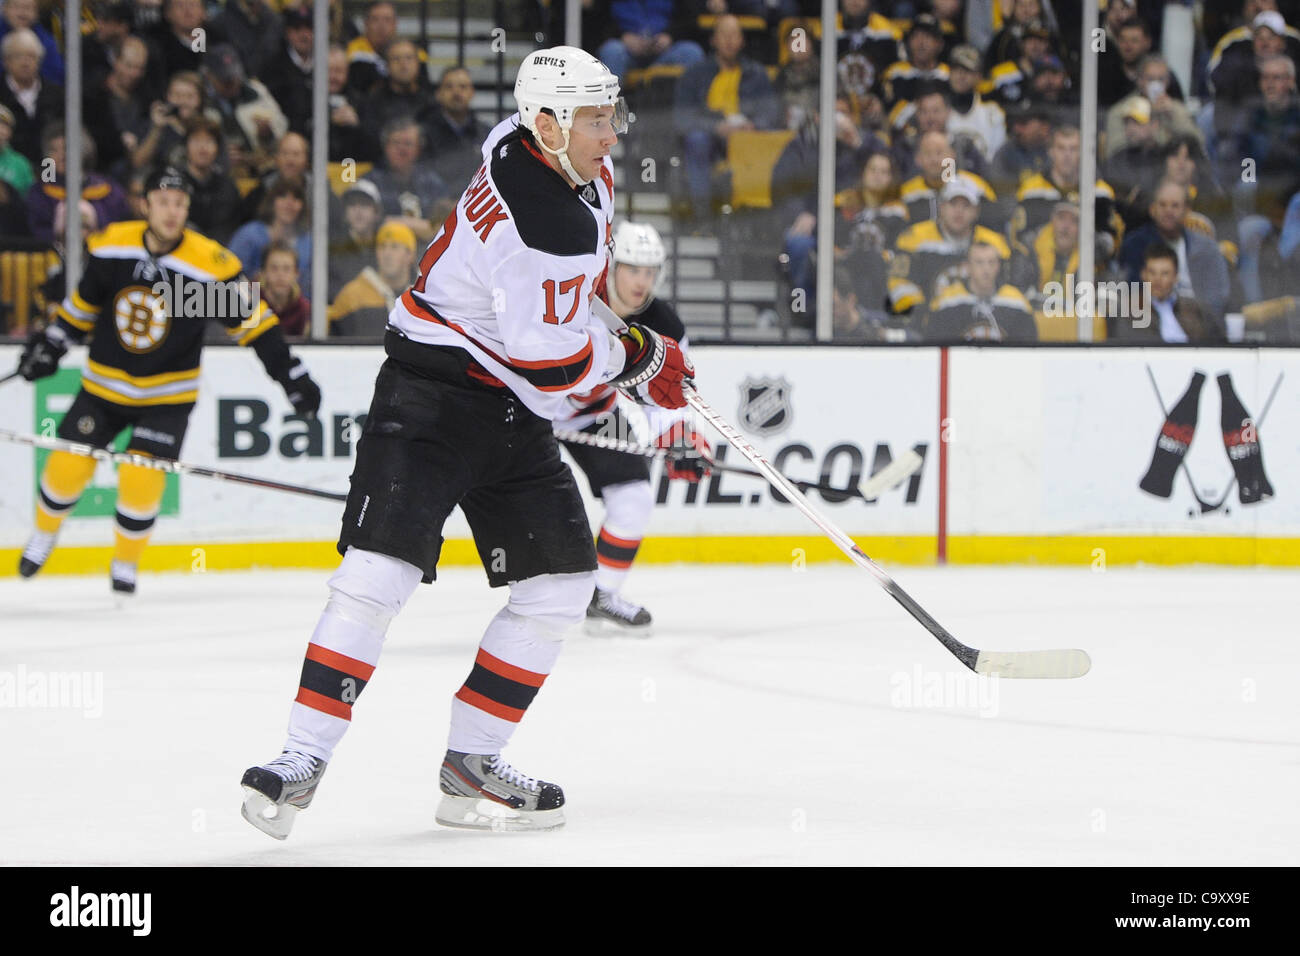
x,y
473,813
599,627
256,808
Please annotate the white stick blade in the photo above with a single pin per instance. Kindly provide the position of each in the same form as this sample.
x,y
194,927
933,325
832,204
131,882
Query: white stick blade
x,y
892,474
1033,664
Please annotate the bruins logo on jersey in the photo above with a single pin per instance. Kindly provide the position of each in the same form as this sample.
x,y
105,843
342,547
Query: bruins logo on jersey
x,y
141,319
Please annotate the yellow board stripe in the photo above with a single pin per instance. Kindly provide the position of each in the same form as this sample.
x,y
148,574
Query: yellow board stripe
x,y
791,550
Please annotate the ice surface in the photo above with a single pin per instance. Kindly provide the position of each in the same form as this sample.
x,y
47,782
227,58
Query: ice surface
x,y
777,717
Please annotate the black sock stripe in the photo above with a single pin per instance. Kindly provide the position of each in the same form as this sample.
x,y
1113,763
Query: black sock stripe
x,y
133,525
57,507
613,551
503,690
331,683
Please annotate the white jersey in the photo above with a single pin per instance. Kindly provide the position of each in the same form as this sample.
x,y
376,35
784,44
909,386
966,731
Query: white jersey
x,y
510,276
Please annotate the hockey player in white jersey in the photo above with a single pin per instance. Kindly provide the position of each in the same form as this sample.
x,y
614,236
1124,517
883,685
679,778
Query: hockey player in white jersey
x,y
483,351
622,481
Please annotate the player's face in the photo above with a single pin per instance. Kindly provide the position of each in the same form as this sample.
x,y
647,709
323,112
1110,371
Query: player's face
x,y
591,137
634,283
166,211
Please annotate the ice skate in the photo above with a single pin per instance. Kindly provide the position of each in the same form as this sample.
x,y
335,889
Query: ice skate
x,y
609,614
122,576
276,792
483,792
36,552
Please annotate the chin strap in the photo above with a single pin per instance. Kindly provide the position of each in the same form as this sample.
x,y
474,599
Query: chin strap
x,y
562,155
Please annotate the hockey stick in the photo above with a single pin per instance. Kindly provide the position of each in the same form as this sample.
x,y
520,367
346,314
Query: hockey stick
x,y
161,464
888,477
12,375
1057,663
1028,664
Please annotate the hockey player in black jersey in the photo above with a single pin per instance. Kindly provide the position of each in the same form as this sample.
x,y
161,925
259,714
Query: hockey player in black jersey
x,y
622,481
148,289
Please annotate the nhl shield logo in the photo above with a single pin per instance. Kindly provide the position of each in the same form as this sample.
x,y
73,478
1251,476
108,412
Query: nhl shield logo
x,y
765,405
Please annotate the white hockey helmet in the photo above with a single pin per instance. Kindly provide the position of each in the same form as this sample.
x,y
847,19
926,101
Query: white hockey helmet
x,y
636,244
564,79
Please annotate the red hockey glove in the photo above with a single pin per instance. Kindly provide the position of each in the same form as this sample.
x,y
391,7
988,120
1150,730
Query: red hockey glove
x,y
689,457
655,370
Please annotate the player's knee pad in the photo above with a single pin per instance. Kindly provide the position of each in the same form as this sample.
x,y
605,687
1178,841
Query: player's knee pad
x,y
556,603
370,588
628,508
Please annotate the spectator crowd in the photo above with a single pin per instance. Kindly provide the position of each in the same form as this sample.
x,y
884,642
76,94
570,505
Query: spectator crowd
x,y
957,134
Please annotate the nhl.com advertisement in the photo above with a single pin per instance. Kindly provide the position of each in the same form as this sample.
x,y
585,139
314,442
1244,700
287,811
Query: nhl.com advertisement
x,y
1039,445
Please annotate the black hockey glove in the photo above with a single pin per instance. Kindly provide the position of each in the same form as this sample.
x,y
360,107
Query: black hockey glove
x,y
40,356
303,393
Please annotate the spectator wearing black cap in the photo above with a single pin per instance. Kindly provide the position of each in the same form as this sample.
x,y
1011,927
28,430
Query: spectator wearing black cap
x,y
288,72
214,197
454,134
253,28
251,119
923,68
1025,151
1051,89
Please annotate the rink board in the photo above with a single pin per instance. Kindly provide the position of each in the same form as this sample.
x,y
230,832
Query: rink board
x,y
1044,451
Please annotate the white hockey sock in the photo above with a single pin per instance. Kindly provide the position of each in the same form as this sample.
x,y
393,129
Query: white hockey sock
x,y
628,509
517,652
366,592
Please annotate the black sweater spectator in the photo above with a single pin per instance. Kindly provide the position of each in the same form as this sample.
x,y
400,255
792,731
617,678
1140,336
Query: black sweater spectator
x,y
255,31
288,73
453,135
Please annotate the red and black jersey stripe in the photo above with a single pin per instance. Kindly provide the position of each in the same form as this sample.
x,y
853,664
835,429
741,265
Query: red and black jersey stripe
x,y
502,690
548,375
331,681
615,552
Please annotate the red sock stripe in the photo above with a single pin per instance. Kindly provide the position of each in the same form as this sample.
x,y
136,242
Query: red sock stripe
x,y
488,705
340,662
326,705
509,671
615,563
619,542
